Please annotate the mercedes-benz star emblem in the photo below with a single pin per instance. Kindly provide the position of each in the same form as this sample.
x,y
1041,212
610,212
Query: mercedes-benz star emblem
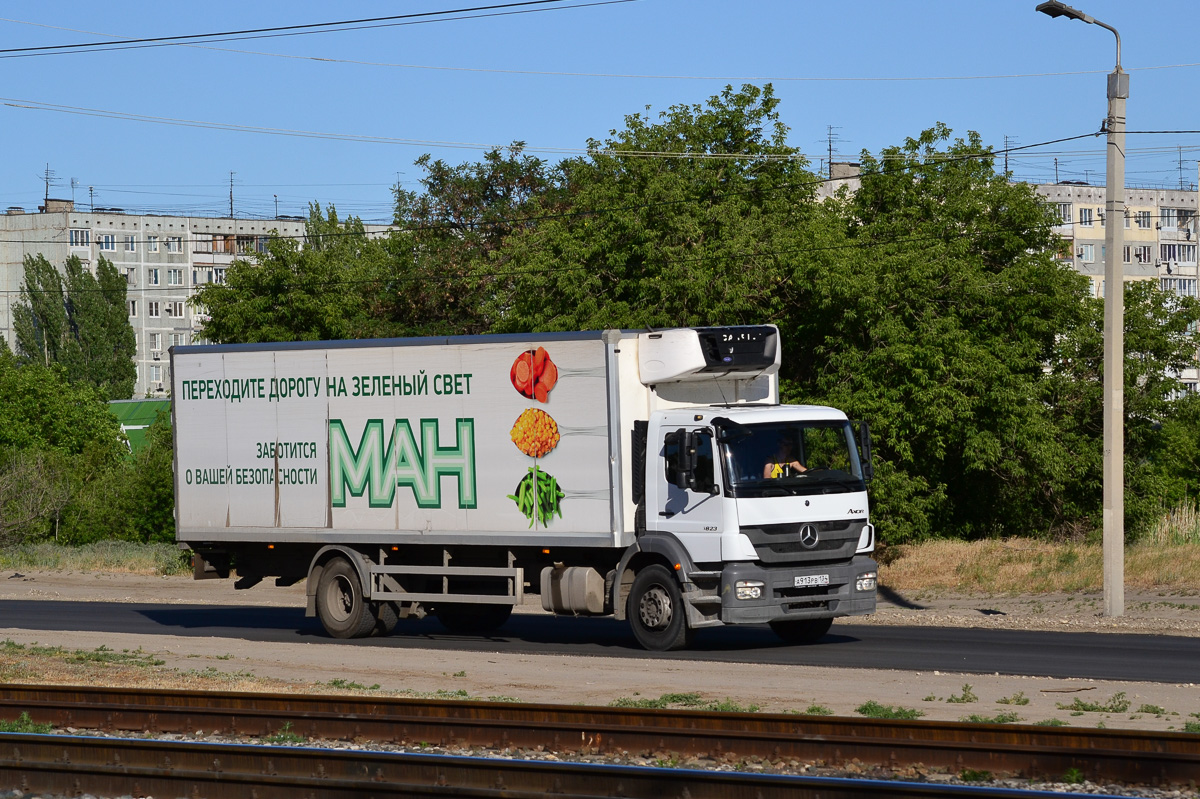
x,y
808,536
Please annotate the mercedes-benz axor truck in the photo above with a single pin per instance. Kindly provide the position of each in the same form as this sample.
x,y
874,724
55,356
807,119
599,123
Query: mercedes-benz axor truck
x,y
648,475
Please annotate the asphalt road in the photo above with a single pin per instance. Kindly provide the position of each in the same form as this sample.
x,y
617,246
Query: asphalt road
x,y
1101,656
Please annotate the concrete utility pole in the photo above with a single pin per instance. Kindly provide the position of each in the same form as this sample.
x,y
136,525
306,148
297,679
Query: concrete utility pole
x,y
1114,322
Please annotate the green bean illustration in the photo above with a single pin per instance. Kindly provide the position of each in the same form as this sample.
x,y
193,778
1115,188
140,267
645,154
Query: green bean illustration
x,y
538,497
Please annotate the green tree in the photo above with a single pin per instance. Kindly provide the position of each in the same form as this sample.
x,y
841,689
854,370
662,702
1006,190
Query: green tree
x,y
936,325
79,321
448,261
696,219
1161,429
320,289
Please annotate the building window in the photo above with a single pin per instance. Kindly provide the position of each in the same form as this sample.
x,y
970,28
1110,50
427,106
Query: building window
x,y
1178,253
202,244
133,307
1143,220
155,340
175,309
81,237
218,275
107,241
1182,286
152,277
1127,219
152,244
130,244
152,309
1064,213
178,339
1085,217
1126,254
174,277
174,244
155,373
1086,252
130,277
1142,254
1167,219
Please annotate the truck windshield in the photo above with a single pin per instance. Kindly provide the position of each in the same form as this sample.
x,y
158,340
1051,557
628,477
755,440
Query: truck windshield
x,y
784,458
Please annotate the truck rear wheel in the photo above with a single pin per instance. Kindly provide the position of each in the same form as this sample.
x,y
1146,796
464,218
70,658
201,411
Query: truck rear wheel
x,y
472,619
801,631
340,604
655,611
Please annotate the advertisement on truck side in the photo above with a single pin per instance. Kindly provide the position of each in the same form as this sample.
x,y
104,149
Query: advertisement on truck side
x,y
471,438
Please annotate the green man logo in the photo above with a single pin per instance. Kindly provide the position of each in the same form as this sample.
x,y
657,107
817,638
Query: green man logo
x,y
378,465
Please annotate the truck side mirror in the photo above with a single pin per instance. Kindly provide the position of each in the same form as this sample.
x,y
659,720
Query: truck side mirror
x,y
684,459
864,450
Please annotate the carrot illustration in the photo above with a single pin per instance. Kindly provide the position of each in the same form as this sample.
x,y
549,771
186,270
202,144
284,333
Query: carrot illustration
x,y
539,361
549,376
523,375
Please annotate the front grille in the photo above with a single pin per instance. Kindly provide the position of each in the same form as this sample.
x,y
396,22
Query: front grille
x,y
782,544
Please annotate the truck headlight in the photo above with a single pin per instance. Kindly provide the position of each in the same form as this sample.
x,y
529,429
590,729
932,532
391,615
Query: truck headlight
x,y
865,582
749,589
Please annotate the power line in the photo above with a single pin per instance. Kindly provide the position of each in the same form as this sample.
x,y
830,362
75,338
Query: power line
x,y
276,31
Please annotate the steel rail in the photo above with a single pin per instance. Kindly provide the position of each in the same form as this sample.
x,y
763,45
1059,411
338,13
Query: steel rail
x,y
1033,752
72,765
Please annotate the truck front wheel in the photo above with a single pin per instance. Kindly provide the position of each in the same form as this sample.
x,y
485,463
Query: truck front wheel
x,y
801,631
343,611
656,612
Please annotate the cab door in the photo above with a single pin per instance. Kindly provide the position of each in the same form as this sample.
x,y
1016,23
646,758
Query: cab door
x,y
694,514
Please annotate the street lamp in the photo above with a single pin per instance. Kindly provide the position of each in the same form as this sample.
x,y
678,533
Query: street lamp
x,y
1114,320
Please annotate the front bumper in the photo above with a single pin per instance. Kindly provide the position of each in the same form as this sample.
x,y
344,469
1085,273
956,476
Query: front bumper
x,y
781,599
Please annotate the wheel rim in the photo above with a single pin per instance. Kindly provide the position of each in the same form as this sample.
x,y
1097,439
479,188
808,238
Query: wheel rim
x,y
339,598
655,608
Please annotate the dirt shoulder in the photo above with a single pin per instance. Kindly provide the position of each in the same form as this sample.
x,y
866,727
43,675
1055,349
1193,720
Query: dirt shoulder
x,y
250,665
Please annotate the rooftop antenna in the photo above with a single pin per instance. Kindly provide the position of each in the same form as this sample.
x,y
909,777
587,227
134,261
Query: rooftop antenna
x,y
91,199
74,185
830,138
48,177
231,174
1010,142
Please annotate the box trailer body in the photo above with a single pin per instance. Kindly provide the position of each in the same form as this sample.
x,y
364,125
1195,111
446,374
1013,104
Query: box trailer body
x,y
612,472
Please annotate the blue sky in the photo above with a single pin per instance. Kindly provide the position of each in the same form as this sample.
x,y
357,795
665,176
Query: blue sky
x,y
875,72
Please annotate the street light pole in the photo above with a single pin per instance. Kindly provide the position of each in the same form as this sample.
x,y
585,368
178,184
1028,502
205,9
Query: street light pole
x,y
1114,322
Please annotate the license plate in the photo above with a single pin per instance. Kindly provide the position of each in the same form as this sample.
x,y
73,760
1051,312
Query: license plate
x,y
812,579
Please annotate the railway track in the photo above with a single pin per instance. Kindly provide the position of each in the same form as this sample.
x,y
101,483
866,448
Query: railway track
x,y
1036,753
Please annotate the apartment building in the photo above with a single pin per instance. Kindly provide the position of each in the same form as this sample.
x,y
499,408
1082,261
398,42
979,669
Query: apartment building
x,y
165,259
1159,231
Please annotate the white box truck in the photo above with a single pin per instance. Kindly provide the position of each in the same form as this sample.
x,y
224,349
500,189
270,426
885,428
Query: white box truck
x,y
650,475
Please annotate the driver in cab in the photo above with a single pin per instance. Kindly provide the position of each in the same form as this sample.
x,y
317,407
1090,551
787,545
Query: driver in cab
x,y
783,463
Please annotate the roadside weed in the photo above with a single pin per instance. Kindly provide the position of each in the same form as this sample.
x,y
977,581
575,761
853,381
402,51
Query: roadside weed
x,y
1007,717
1117,703
874,710
24,724
284,735
967,695
1018,698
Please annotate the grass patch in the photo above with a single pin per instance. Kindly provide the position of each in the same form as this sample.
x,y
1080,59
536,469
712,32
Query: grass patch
x,y
966,696
1073,777
1018,698
1117,703
1007,717
1165,559
350,685
284,735
1191,726
815,710
24,724
126,557
691,701
874,710
100,655
1153,710
1051,723
971,775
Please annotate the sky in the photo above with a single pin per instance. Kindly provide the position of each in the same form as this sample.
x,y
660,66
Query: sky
x,y
340,116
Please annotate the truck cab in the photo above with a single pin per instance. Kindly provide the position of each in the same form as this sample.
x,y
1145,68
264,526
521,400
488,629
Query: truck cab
x,y
762,511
